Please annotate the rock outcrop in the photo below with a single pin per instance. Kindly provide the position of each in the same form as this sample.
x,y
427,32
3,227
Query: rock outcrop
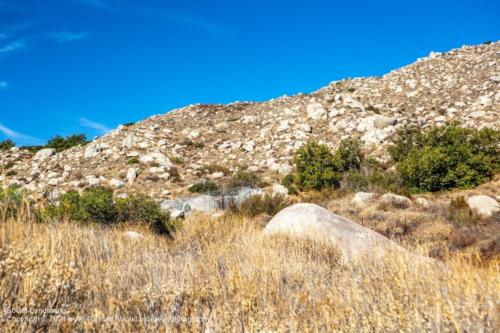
x,y
317,223
164,154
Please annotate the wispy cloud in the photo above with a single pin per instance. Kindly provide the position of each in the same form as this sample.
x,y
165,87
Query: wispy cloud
x,y
18,137
3,85
66,36
94,125
13,46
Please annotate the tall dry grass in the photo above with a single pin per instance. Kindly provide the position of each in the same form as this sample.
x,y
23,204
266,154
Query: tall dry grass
x,y
221,275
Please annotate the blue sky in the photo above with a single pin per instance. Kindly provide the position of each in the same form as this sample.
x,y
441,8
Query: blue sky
x,y
85,66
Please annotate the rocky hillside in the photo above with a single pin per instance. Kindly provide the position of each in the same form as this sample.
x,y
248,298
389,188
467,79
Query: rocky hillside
x,y
164,154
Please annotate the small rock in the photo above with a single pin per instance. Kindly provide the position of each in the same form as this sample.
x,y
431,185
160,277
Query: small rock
x,y
132,235
484,205
395,200
280,190
362,198
44,153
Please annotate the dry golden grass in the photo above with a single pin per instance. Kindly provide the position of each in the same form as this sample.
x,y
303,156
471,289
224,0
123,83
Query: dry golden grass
x,y
221,275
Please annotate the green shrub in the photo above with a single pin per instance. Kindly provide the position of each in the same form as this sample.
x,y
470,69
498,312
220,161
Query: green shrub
x,y
95,204
350,154
244,178
316,167
60,143
133,160
261,204
176,160
205,186
446,157
128,124
142,209
288,182
6,144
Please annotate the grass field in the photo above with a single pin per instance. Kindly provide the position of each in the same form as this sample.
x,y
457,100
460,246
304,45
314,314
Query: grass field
x,y
221,275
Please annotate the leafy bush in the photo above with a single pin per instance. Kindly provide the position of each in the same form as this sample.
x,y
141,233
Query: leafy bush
x,y
350,154
205,186
133,160
316,167
60,143
96,205
261,204
446,157
6,144
244,178
142,209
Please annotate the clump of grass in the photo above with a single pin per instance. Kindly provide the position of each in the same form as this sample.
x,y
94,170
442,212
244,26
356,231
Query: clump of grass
x,y
256,205
133,160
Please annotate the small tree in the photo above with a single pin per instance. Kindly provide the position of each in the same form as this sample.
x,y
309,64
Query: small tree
x,y
350,154
59,143
316,167
6,144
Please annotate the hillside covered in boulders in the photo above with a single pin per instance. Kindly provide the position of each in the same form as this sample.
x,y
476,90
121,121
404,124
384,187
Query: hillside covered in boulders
x,y
163,155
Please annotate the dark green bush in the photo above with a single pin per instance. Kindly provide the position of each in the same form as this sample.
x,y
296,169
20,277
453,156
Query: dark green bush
x,y
205,186
350,154
142,209
261,204
446,157
316,167
244,178
6,144
60,143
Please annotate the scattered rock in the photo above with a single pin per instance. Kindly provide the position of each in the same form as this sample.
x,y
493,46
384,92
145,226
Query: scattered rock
x,y
395,200
484,205
362,198
132,235
280,190
44,153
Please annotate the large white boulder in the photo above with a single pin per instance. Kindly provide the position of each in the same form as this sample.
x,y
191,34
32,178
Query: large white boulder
x,y
484,205
314,222
44,153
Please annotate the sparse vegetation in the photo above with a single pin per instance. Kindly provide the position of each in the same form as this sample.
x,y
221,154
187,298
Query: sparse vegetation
x,y
133,160
204,187
6,144
256,205
244,178
60,143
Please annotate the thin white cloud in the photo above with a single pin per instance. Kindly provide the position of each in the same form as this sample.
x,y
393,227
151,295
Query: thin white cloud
x,y
13,46
66,36
17,136
94,125
3,85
